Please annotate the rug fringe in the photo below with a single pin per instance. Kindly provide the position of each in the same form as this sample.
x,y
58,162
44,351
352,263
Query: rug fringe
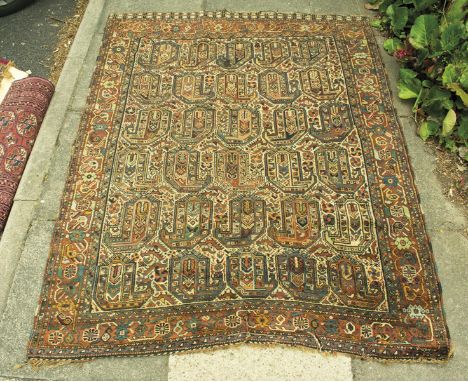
x,y
37,363
44,363
237,15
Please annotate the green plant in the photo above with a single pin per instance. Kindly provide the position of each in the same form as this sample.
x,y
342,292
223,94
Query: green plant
x,y
429,38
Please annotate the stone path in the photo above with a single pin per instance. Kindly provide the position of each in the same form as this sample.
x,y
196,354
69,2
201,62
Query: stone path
x,y
25,243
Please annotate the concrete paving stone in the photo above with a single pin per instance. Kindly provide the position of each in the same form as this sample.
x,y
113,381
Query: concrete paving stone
x,y
311,6
259,5
10,378
38,164
252,362
82,90
50,199
17,320
17,323
344,7
88,28
136,6
132,6
11,244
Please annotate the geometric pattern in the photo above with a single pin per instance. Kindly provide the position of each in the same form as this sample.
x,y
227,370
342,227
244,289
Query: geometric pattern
x,y
240,177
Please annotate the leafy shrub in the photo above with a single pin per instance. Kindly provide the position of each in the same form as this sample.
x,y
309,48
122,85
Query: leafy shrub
x,y
429,38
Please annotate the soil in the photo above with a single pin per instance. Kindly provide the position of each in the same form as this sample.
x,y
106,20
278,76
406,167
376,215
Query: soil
x,y
66,35
452,171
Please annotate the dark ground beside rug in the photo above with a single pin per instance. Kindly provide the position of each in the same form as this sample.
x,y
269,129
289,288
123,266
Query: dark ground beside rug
x,y
21,114
240,177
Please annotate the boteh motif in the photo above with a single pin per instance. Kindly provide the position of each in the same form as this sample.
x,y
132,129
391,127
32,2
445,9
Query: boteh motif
x,y
238,178
290,171
318,83
334,122
146,126
136,170
277,87
350,285
351,228
157,53
271,53
303,276
191,224
285,126
192,277
132,223
334,169
236,87
195,124
193,88
246,222
238,126
300,223
149,87
183,170
117,286
307,51
233,168
250,275
195,54
237,53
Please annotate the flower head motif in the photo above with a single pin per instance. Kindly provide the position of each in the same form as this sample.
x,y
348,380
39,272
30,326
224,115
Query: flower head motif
x,y
90,335
232,321
301,323
416,311
161,328
55,337
402,242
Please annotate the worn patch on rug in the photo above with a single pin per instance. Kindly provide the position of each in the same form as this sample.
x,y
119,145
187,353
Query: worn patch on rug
x,y
240,178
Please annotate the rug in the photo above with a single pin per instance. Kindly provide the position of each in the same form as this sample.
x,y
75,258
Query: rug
x,y
21,114
240,177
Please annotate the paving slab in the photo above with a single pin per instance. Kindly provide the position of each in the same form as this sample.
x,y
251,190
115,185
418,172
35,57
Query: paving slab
x,y
54,182
137,6
259,362
311,6
82,89
11,244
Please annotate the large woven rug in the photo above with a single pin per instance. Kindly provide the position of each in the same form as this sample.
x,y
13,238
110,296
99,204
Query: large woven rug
x,y
240,178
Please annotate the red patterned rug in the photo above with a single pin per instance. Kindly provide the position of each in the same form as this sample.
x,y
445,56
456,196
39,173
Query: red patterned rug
x,y
21,114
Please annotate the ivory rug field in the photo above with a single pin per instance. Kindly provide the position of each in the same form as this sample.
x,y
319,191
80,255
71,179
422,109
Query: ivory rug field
x,y
240,177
